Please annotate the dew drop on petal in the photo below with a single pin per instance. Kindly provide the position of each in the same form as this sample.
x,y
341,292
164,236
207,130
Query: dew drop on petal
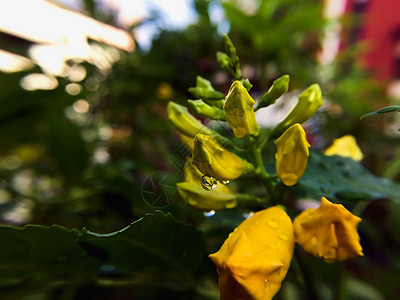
x,y
209,213
208,183
273,224
314,241
248,215
224,181
283,237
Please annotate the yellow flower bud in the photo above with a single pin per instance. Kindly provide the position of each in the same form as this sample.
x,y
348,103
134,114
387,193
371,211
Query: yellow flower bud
x,y
254,259
309,102
345,146
184,122
194,194
292,154
187,141
239,111
214,160
329,231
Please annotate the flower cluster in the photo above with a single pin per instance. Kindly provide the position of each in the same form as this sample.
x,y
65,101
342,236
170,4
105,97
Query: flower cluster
x,y
255,258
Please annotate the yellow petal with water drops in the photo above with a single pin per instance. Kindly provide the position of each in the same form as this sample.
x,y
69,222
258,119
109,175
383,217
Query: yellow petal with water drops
x,y
329,231
345,146
194,194
292,154
239,111
212,159
254,259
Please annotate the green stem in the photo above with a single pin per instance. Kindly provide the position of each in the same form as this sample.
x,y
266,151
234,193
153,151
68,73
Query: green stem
x,y
250,198
339,273
264,142
312,293
260,169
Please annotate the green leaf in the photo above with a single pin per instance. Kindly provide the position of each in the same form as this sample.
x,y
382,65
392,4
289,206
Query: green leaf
x,y
38,258
384,110
155,244
341,178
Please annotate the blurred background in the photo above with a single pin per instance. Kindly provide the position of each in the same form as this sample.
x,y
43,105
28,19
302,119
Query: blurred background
x,y
84,86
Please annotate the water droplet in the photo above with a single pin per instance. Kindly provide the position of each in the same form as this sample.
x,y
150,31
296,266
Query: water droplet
x,y
273,224
248,215
284,237
224,181
209,213
314,241
231,204
208,183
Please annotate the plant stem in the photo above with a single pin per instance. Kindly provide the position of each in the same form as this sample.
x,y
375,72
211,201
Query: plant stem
x,y
264,142
339,273
250,198
306,276
260,169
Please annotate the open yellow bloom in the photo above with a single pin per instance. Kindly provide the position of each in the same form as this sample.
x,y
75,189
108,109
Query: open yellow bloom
x,y
345,146
194,194
254,259
292,154
214,160
329,231
184,122
239,111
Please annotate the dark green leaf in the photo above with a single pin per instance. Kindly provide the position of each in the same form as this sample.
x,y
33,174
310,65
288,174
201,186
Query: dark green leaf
x,y
35,250
155,242
341,178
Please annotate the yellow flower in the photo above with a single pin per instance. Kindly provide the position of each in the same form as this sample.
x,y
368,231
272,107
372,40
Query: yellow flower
x,y
214,160
329,231
184,122
239,111
292,154
345,146
192,192
254,259
187,141
309,102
